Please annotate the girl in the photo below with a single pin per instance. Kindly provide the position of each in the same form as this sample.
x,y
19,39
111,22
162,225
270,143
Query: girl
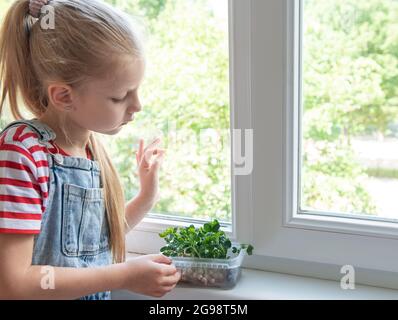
x,y
62,212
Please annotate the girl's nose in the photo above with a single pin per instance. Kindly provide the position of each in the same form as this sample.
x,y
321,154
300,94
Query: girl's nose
x,y
136,107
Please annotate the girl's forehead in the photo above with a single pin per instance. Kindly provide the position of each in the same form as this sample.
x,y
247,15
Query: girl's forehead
x,y
124,75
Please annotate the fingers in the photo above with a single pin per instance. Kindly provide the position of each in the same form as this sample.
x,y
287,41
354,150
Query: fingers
x,y
140,149
149,146
168,284
171,280
155,154
154,142
148,151
168,270
148,154
161,258
159,158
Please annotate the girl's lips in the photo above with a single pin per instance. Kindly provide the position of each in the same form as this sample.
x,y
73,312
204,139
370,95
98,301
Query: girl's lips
x,y
128,121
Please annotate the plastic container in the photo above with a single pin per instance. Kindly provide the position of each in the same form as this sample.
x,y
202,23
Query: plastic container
x,y
219,273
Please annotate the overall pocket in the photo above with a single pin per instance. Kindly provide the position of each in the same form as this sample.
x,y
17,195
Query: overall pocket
x,y
84,224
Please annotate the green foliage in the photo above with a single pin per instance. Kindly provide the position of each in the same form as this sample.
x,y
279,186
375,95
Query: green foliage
x,y
185,94
350,88
382,173
351,61
207,241
152,8
147,8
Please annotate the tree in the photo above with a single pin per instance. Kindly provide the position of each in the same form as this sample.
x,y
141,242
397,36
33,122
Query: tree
x,y
350,87
185,92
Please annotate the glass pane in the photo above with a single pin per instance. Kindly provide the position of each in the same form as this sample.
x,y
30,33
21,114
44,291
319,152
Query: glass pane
x,y
185,97
349,115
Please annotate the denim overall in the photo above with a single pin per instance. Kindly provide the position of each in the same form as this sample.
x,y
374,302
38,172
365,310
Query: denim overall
x,y
74,229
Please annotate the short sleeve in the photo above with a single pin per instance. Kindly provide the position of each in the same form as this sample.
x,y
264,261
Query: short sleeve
x,y
21,204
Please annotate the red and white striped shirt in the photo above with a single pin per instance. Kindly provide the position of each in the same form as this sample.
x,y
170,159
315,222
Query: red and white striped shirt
x,y
24,180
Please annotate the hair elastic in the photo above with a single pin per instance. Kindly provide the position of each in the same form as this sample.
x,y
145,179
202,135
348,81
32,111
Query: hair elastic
x,y
35,7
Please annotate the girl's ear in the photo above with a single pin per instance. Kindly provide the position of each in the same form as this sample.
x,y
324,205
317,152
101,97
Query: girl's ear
x,y
60,95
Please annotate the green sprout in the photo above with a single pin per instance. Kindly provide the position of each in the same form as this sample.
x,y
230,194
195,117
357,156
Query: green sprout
x,y
207,241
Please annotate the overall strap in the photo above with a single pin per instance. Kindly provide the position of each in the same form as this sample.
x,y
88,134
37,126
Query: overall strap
x,y
45,132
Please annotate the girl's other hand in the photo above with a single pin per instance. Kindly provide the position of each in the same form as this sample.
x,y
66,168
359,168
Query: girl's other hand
x,y
151,275
149,160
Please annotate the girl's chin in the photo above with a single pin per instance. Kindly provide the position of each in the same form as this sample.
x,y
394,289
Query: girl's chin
x,y
111,131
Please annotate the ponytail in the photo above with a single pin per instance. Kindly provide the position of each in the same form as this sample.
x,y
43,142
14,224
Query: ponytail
x,y
17,76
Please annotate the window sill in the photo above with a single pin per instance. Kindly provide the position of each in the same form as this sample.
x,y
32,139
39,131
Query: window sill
x,y
262,285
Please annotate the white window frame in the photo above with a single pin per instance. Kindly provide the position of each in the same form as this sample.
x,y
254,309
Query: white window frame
x,y
294,217
264,68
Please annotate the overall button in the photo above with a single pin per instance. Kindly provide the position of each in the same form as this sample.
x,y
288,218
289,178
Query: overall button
x,y
58,158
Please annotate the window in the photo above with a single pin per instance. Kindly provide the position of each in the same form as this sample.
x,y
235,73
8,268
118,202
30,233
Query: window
x,y
294,241
265,63
349,108
185,98
190,98
234,18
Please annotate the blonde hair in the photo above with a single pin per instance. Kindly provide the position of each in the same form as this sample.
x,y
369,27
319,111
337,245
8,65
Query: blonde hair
x,y
86,34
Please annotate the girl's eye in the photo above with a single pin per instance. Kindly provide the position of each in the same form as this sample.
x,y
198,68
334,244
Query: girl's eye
x,y
116,100
119,100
